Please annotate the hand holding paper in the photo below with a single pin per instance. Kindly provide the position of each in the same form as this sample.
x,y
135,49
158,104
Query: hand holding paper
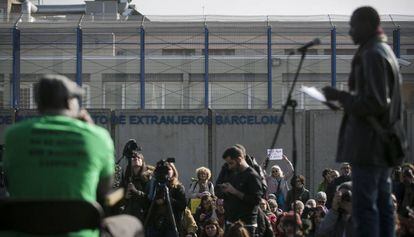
x,y
330,93
324,98
314,93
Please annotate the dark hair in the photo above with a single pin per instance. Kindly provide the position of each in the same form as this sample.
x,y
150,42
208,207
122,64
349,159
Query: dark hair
x,y
233,152
143,169
294,178
346,185
367,14
47,97
326,172
212,221
52,92
237,230
207,198
242,148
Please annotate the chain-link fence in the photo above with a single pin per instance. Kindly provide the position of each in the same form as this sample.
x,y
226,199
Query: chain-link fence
x,y
185,62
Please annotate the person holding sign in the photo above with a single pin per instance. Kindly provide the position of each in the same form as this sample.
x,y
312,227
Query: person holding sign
x,y
278,181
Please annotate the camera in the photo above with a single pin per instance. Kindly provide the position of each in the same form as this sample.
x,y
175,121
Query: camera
x,y
161,170
128,152
346,196
408,173
130,147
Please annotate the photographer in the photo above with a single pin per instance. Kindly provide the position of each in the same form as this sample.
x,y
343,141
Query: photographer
x,y
337,221
134,182
160,222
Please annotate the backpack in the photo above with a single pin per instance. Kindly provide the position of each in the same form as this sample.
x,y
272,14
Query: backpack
x,y
251,161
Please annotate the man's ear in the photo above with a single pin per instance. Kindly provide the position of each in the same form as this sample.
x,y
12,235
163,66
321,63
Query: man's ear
x,y
73,105
67,104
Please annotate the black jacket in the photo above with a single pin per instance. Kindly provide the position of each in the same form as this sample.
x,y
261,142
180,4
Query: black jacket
x,y
247,182
374,71
138,204
264,228
300,194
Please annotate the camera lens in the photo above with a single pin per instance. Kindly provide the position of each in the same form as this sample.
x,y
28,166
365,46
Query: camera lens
x,y
346,196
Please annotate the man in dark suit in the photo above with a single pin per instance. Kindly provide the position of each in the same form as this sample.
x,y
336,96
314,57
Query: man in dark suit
x,y
372,103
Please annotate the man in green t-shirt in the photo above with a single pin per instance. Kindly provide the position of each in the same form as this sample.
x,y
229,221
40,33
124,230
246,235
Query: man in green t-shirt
x,y
60,155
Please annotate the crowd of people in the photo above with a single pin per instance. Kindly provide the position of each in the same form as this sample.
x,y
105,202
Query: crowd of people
x,y
243,201
238,203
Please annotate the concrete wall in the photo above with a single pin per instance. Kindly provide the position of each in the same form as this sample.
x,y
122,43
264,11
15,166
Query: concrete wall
x,y
323,130
186,142
103,118
257,138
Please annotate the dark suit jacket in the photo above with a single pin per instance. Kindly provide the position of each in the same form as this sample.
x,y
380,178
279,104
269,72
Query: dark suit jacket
x,y
374,72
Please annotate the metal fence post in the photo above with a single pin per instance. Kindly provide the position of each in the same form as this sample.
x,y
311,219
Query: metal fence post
x,y
79,56
206,83
333,57
396,34
269,67
142,67
16,68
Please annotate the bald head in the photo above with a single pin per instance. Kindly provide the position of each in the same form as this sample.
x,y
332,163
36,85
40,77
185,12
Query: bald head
x,y
364,24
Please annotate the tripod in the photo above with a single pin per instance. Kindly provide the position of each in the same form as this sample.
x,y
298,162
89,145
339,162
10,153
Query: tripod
x,y
161,190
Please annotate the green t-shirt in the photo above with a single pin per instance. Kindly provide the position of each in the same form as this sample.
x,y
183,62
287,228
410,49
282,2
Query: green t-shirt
x,y
55,157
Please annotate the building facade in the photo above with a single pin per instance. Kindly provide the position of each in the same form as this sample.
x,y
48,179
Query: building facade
x,y
183,62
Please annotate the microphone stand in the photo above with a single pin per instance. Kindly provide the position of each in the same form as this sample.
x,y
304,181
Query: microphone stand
x,y
291,103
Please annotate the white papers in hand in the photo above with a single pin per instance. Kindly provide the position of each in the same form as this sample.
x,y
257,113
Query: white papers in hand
x,y
314,93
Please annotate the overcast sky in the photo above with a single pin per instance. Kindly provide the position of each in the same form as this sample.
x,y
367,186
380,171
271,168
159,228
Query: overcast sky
x,y
261,7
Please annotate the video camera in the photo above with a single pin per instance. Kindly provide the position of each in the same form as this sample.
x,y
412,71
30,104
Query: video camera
x,y
346,196
161,191
161,170
128,152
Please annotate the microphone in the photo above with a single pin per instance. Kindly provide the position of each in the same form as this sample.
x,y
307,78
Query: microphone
x,y
312,43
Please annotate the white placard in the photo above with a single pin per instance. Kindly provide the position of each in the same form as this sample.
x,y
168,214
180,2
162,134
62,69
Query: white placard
x,y
275,154
314,93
